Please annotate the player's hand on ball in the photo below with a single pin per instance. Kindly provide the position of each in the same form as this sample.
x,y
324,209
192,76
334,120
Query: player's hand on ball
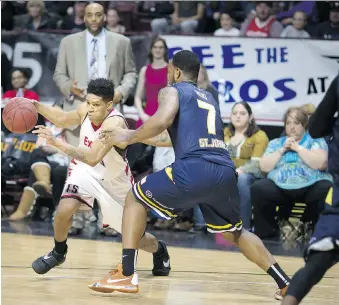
x,y
118,137
35,103
46,133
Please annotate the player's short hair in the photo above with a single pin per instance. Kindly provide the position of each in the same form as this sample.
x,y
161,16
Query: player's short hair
x,y
188,62
101,87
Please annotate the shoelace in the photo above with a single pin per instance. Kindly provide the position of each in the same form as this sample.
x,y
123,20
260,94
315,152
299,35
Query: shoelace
x,y
116,270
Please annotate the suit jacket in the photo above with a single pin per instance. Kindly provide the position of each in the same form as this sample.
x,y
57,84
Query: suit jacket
x,y
72,65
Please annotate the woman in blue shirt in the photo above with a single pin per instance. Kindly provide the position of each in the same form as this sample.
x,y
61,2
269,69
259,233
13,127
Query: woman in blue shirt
x,y
296,172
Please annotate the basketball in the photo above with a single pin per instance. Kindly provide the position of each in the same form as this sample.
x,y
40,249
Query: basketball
x,y
20,115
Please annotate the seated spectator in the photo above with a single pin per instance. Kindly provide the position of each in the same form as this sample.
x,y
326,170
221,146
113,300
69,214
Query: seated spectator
x,y
226,24
262,23
184,19
214,9
75,22
307,7
296,30
19,83
48,168
36,18
112,22
296,167
246,144
329,29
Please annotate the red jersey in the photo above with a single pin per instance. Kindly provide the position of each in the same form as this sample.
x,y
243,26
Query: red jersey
x,y
256,28
27,94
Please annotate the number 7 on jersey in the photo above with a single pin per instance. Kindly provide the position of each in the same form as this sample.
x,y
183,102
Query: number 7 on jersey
x,y
210,116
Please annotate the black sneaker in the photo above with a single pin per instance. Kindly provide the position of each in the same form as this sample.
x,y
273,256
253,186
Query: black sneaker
x,y
161,262
45,263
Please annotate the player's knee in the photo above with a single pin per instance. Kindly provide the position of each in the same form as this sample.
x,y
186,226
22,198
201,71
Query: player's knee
x,y
131,200
233,237
64,211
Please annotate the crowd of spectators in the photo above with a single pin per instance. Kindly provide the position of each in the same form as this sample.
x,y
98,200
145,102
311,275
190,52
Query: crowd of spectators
x,y
292,19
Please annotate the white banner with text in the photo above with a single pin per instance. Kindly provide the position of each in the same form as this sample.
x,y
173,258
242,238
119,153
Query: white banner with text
x,y
271,74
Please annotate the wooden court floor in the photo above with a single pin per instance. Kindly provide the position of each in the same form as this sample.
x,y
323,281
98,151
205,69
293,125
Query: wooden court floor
x,y
198,277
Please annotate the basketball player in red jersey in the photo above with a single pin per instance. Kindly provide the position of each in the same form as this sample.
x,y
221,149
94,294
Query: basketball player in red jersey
x,y
96,172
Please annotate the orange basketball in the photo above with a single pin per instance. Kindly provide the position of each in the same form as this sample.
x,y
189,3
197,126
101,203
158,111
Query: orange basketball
x,y
20,115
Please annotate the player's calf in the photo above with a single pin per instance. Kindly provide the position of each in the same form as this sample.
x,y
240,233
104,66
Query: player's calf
x,y
254,250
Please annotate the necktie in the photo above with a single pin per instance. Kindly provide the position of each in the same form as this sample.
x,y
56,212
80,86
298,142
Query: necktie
x,y
94,65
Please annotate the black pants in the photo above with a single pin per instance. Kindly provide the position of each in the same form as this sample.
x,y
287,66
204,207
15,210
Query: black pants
x,y
266,196
316,266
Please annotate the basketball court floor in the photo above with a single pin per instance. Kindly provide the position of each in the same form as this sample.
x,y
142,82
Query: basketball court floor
x,y
199,276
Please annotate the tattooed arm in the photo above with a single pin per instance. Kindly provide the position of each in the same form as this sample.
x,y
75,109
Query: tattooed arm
x,y
161,140
168,101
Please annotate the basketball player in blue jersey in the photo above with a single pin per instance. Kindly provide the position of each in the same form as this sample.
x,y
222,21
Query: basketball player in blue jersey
x,y
322,252
202,174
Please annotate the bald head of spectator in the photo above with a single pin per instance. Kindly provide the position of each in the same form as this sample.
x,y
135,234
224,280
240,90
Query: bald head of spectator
x,y
95,18
263,10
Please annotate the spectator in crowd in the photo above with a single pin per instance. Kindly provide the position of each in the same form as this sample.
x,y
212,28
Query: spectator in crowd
x,y
90,54
246,144
226,26
330,29
262,23
297,29
205,83
7,12
19,80
152,78
37,18
296,172
184,19
213,11
112,22
307,7
75,22
48,168
19,83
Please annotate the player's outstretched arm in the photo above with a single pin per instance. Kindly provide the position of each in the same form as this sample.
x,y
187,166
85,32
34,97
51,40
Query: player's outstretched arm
x,y
161,140
59,117
168,108
92,155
